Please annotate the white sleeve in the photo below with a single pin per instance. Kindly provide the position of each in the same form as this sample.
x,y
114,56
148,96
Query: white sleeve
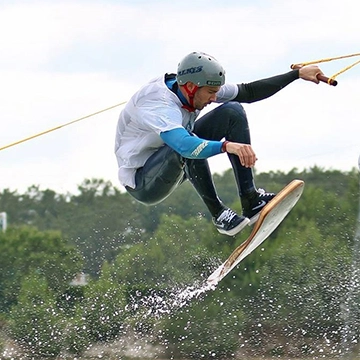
x,y
160,117
227,93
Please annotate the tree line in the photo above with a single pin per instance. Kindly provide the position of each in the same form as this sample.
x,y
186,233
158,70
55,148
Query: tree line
x,y
138,260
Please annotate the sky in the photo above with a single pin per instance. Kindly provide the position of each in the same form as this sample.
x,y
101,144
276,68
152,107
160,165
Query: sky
x,y
63,60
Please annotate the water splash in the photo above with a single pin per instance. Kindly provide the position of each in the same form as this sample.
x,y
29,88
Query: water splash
x,y
350,309
165,302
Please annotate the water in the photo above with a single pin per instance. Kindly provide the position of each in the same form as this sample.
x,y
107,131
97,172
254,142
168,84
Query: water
x,y
176,298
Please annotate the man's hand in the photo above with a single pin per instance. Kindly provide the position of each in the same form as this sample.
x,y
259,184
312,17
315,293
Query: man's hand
x,y
310,73
243,151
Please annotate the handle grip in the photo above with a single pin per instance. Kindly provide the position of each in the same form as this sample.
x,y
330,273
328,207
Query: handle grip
x,y
325,79
321,78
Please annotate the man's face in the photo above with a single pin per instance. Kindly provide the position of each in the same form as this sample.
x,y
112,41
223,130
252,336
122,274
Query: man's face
x,y
204,95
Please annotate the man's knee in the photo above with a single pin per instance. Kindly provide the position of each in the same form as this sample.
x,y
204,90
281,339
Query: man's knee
x,y
234,109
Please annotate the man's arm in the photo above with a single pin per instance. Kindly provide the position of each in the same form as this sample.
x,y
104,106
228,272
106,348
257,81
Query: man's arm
x,y
189,146
192,147
262,89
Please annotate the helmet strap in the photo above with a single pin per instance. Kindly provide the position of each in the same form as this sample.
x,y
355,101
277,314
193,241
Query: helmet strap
x,y
191,94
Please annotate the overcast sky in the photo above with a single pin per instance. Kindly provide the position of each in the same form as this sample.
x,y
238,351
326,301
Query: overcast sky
x,y
61,60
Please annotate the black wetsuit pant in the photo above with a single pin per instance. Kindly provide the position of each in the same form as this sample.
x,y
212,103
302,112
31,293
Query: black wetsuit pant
x,y
166,169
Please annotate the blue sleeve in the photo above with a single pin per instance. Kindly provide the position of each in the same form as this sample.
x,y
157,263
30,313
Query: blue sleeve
x,y
189,146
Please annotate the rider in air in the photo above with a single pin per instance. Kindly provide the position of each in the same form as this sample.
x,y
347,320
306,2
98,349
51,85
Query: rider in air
x,y
160,141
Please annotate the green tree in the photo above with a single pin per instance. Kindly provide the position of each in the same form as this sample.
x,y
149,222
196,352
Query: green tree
x,y
206,329
43,328
25,250
103,309
170,256
99,221
35,322
305,281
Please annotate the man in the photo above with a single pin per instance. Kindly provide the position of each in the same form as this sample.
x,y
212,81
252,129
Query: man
x,y
159,144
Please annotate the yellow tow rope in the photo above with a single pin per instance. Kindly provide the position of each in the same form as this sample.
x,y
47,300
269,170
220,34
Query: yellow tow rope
x,y
330,80
60,126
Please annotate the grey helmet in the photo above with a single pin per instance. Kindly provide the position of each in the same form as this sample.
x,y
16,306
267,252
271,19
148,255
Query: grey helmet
x,y
201,69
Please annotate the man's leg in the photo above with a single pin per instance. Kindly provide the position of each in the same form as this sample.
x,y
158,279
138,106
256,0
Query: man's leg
x,y
159,177
198,173
226,221
164,171
229,121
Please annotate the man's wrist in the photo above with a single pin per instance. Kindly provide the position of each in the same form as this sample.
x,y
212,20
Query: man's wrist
x,y
223,146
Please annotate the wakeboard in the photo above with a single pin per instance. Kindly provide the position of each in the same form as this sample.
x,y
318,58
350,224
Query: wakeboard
x,y
269,219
